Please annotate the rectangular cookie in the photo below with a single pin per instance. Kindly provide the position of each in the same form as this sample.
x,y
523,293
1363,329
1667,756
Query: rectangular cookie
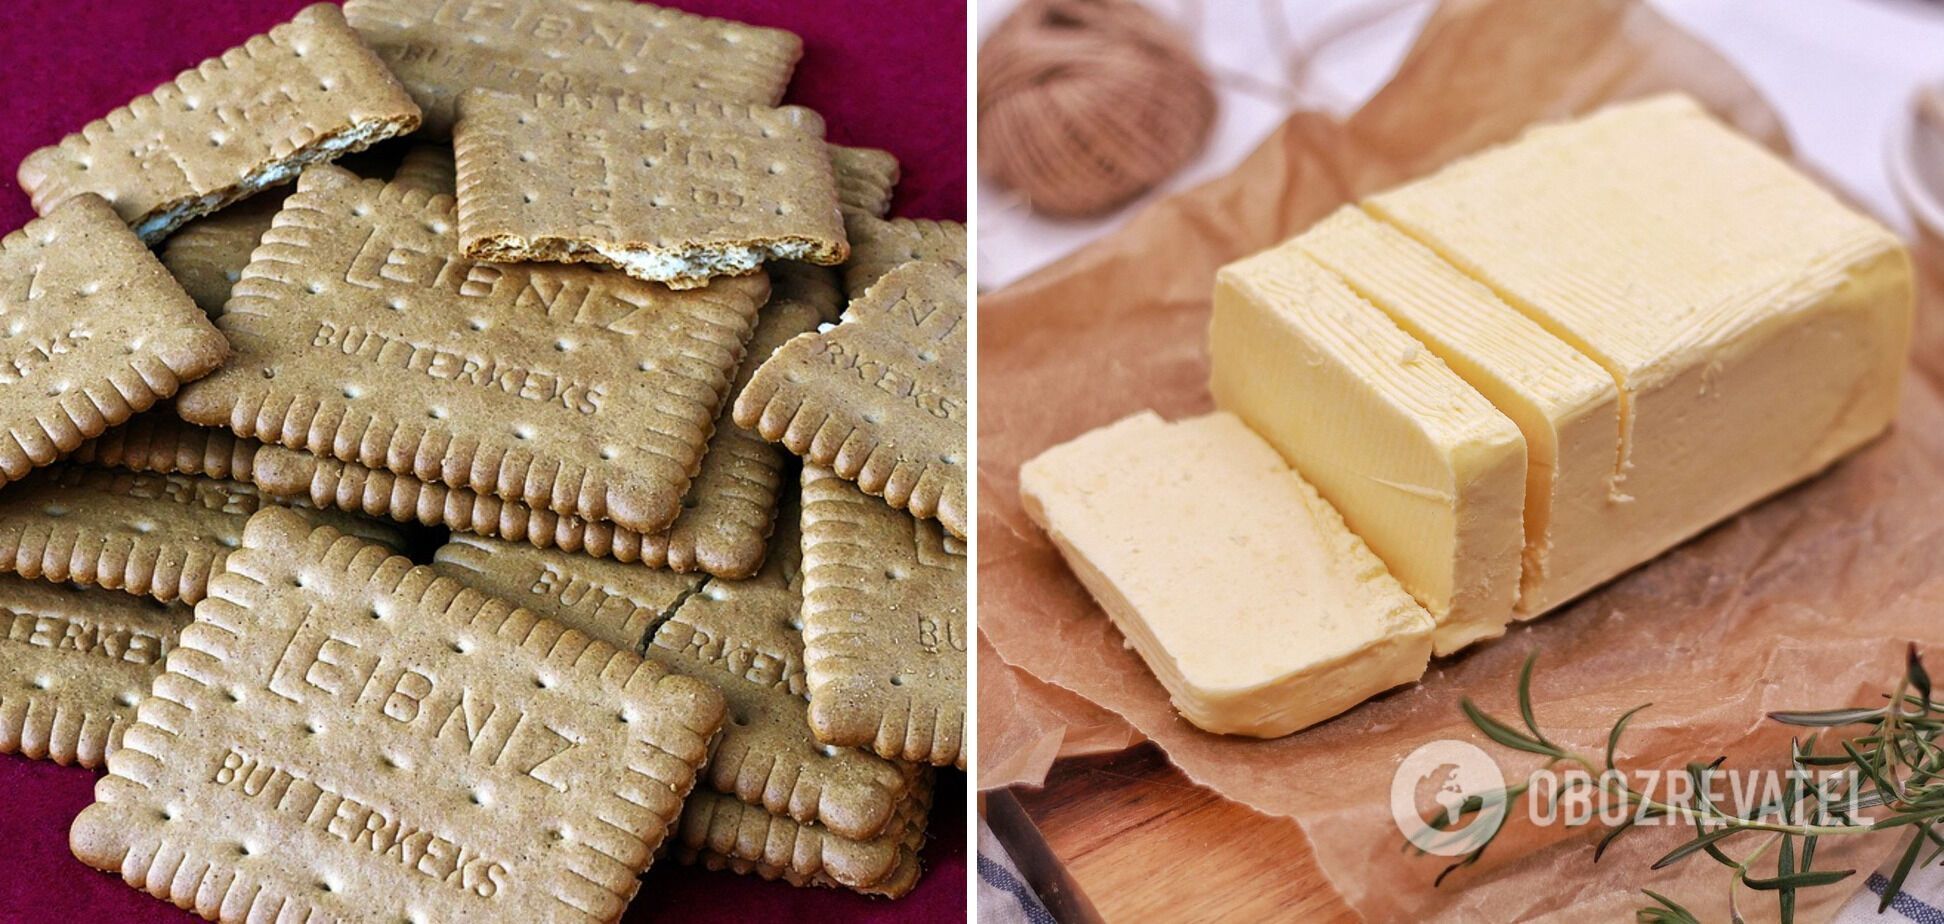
x,y
428,166
359,333
441,48
73,664
884,637
341,732
866,179
726,518
611,601
746,638
739,636
207,255
97,332
719,832
670,191
881,397
879,245
252,118
158,535
159,441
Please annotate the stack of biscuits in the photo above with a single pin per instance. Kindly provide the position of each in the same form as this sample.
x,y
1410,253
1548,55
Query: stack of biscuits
x,y
418,526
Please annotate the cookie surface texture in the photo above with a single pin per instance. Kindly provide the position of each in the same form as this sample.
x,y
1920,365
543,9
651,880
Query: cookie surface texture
x,y
252,118
360,334
157,440
73,664
671,191
340,731
158,535
880,397
880,245
884,631
98,332
718,832
442,48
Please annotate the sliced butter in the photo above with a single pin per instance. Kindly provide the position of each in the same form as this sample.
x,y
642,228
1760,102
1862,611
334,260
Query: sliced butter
x,y
1565,404
1420,465
1240,587
1756,326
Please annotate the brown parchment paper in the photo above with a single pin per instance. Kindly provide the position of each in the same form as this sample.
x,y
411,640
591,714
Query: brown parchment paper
x,y
1805,601
1043,724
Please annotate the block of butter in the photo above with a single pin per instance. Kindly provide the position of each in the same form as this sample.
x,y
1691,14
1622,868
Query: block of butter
x,y
1422,466
1755,326
1677,323
1257,609
1564,403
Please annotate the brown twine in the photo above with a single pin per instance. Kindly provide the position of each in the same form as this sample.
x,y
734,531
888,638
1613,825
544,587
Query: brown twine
x,y
1086,104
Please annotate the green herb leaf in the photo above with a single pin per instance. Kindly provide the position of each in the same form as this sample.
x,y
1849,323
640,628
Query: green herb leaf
x,y
1669,912
1525,701
1785,868
1919,678
1612,835
1828,717
1613,737
1895,886
1800,880
1700,842
1505,734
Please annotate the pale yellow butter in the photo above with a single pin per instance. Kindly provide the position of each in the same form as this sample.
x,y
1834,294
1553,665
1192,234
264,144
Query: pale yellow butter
x,y
1565,404
1756,327
1420,465
1249,599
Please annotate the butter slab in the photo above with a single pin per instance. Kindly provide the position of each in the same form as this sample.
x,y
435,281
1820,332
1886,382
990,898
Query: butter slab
x,y
1564,403
1420,465
1244,592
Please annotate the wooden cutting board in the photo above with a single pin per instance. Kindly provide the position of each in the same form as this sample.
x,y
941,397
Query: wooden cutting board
x,y
1144,844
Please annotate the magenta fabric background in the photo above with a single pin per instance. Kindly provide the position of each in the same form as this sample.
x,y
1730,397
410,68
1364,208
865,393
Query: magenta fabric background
x,y
884,73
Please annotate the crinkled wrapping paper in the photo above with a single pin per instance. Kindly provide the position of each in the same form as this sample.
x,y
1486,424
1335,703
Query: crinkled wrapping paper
x,y
1804,601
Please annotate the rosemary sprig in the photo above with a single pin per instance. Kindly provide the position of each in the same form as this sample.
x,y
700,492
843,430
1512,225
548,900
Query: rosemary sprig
x,y
1893,762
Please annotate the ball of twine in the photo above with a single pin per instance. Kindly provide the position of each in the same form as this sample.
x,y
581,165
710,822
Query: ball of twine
x,y
1085,104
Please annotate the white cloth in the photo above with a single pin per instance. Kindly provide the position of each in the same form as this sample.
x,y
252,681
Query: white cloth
x,y
1004,896
1920,901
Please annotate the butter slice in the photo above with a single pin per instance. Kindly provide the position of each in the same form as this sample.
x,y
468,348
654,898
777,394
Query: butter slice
x,y
1249,599
1420,465
1565,404
1755,326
